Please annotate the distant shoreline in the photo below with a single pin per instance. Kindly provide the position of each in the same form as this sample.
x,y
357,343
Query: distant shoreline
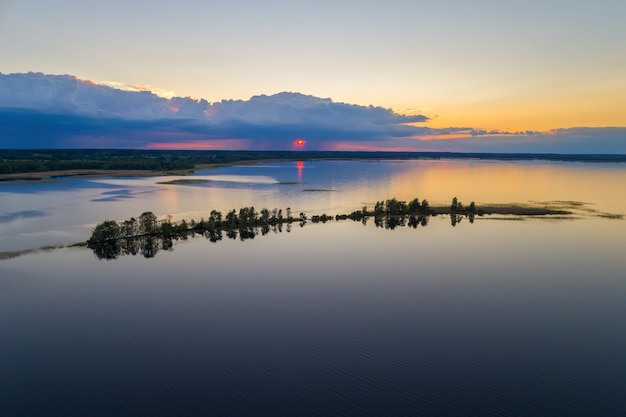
x,y
36,177
86,163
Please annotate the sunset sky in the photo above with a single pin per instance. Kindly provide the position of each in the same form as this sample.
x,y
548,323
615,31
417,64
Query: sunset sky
x,y
486,64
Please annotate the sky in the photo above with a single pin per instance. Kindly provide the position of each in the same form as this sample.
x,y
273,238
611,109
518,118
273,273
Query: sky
x,y
508,66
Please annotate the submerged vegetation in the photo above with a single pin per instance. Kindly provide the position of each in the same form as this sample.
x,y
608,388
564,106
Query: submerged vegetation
x,y
147,234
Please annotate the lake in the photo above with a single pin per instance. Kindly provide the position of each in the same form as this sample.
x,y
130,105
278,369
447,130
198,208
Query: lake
x,y
502,317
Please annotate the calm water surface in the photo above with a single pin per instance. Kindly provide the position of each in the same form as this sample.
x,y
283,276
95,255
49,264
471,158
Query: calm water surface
x,y
37,215
495,318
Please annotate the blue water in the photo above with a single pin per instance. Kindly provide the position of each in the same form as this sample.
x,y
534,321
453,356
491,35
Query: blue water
x,y
495,318
66,210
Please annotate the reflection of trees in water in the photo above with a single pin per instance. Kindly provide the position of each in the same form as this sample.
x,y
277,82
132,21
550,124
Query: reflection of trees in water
x,y
146,235
149,246
456,218
391,222
457,212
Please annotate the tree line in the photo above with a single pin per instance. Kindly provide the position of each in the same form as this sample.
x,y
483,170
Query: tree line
x,y
15,161
147,234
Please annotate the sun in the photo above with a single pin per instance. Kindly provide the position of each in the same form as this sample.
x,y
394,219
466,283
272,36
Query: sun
x,y
300,142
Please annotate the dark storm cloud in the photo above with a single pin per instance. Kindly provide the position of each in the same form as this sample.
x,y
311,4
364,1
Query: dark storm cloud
x,y
40,110
62,111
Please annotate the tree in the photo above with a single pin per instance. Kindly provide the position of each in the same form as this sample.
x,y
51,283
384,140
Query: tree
x,y
216,216
231,218
107,230
215,219
247,215
129,227
454,206
147,222
395,206
379,208
244,214
265,216
182,227
201,225
167,228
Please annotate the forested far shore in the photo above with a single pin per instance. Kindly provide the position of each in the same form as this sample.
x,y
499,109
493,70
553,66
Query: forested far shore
x,y
112,238
22,161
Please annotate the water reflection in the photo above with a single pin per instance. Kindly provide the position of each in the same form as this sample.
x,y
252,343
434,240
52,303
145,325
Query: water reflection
x,y
149,246
24,214
340,318
115,195
68,210
300,165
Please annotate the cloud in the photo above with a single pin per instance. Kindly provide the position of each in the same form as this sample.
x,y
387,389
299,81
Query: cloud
x,y
70,95
62,111
138,88
582,140
294,109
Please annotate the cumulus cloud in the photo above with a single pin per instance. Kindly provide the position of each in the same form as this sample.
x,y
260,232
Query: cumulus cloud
x,y
62,111
294,109
70,95
53,111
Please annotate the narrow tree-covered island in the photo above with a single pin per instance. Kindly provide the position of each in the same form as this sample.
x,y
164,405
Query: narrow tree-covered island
x,y
147,234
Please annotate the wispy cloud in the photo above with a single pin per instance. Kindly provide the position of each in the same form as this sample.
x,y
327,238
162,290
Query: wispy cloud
x,y
139,88
585,140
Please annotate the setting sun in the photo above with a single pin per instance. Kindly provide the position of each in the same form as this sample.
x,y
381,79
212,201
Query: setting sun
x,y
300,142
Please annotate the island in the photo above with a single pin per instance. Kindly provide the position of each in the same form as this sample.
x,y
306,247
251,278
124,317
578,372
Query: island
x,y
147,234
